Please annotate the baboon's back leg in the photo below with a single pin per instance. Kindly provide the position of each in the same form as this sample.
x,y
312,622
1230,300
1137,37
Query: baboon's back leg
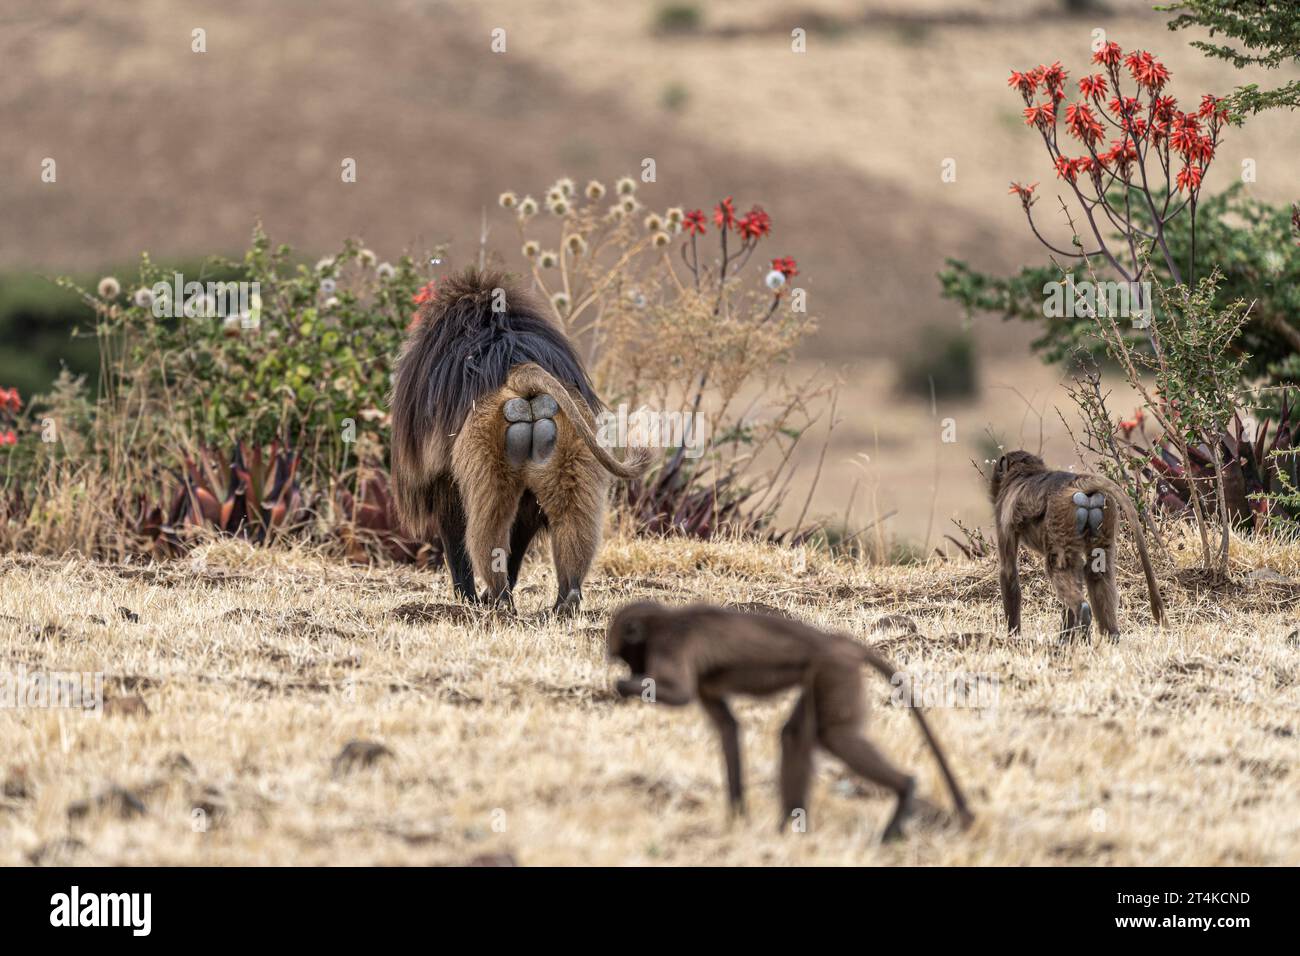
x,y
575,538
1103,594
571,492
1009,579
841,713
798,737
490,511
729,735
450,518
1066,582
528,521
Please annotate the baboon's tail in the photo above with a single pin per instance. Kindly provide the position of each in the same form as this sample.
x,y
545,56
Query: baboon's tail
x,y
959,800
532,379
1095,484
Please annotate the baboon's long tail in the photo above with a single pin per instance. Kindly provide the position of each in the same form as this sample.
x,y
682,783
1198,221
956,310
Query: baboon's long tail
x,y
1095,483
532,378
958,799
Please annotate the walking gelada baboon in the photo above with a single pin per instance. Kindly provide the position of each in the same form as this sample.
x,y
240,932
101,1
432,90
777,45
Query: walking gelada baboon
x,y
1069,519
492,439
705,653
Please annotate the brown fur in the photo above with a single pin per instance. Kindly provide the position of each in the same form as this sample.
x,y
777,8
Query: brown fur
x,y
570,487
1034,506
705,653
451,473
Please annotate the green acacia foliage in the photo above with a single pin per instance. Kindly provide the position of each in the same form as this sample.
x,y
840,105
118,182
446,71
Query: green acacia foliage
x,y
1251,243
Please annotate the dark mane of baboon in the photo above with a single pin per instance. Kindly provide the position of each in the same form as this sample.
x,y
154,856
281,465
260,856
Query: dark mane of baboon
x,y
461,350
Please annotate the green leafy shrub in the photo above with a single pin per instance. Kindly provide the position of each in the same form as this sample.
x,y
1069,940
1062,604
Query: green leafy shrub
x,y
307,362
1250,242
943,364
287,364
673,18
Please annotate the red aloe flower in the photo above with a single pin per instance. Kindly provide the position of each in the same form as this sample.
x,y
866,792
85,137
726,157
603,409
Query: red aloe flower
x,y
694,222
1042,116
1185,138
1083,124
1054,75
755,224
1154,75
1147,70
427,292
1065,169
1026,83
1109,55
8,438
1093,87
724,214
1136,126
1123,153
1124,105
786,266
1210,108
1189,178
1026,193
1128,425
1086,164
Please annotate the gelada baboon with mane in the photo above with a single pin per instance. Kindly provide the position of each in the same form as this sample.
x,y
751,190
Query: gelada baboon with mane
x,y
493,440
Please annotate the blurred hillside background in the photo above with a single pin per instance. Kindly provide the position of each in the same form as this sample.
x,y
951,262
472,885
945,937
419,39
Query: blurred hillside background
x,y
176,153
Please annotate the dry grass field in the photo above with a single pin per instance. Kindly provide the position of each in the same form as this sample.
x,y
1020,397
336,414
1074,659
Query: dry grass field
x,y
234,680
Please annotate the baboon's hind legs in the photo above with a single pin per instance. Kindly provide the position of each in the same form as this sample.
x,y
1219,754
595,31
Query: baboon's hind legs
x,y
528,521
491,515
1076,620
1103,595
451,530
575,537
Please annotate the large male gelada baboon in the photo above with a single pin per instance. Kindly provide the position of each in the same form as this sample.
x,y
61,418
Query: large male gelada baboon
x,y
493,442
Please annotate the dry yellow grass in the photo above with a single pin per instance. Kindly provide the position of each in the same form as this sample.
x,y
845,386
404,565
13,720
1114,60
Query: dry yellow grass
x,y
1171,747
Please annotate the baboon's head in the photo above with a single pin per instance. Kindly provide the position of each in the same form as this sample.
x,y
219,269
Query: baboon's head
x,y
625,639
1014,464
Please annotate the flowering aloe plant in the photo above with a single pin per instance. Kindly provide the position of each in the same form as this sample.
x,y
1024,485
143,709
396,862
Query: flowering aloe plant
x,y
253,495
1138,148
1261,470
